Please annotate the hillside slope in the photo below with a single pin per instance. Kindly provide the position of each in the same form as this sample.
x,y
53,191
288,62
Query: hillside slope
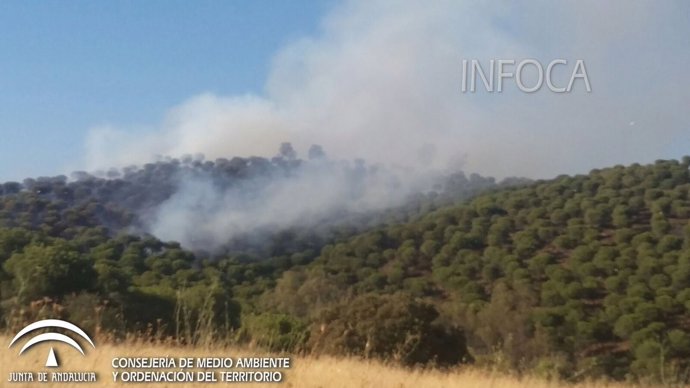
x,y
576,276
244,206
588,275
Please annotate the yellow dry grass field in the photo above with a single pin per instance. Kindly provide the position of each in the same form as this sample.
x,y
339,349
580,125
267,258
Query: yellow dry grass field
x,y
304,372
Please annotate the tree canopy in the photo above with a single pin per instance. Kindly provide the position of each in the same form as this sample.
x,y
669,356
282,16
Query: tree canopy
x,y
585,275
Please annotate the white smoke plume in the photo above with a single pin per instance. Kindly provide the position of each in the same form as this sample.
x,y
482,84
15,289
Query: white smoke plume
x,y
204,213
381,81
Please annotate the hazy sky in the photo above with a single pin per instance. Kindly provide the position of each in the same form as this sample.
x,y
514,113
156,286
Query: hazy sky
x,y
68,66
96,84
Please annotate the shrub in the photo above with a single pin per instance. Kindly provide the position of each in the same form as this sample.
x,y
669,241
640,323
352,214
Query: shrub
x,y
396,327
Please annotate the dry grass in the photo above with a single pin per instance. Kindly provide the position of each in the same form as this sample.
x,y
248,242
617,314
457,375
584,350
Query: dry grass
x,y
307,372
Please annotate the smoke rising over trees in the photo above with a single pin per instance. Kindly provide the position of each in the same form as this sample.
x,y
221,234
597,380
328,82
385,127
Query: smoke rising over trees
x,y
212,206
381,81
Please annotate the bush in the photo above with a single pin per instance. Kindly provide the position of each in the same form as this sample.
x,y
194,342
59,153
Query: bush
x,y
396,327
276,332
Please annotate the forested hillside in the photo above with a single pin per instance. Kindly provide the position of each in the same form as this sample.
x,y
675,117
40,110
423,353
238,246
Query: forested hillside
x,y
580,276
133,199
585,275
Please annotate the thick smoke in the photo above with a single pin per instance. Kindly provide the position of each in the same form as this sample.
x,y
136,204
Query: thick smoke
x,y
381,81
258,196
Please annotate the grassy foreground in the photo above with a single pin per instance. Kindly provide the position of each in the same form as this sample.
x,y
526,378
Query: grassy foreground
x,y
307,372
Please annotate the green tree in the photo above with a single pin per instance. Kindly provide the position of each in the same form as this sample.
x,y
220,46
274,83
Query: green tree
x,y
49,270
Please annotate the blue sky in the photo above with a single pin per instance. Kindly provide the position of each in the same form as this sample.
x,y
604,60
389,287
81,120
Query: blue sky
x,y
68,66
100,84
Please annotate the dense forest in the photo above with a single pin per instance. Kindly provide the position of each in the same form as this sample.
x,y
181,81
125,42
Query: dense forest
x,y
577,276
